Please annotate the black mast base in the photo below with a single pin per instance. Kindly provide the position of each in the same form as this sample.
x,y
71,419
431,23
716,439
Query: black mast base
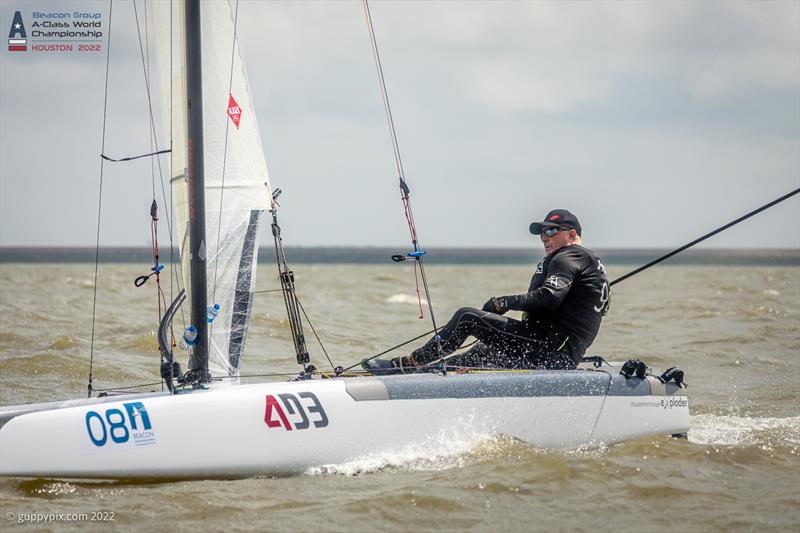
x,y
197,377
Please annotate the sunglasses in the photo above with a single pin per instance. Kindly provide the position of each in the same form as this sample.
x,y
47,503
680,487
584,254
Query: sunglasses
x,y
549,232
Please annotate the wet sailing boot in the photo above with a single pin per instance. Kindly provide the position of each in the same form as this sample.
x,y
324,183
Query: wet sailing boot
x,y
382,367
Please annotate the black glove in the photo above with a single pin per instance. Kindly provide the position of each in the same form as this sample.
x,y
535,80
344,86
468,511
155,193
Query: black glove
x,y
496,304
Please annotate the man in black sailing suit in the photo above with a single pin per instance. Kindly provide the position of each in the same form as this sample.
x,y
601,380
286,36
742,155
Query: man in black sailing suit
x,y
562,310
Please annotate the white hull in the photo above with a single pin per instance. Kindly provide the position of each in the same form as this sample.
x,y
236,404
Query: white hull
x,y
247,430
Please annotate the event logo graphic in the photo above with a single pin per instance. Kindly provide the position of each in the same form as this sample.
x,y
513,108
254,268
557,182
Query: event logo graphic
x,y
62,32
17,38
234,111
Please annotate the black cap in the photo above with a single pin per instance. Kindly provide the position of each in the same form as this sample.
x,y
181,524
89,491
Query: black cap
x,y
558,218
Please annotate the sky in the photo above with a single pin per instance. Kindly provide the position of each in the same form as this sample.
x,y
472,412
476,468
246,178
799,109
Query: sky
x,y
654,122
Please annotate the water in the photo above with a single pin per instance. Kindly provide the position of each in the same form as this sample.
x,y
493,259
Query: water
x,y
734,330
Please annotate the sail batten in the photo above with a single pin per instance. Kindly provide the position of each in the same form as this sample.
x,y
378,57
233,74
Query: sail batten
x,y
236,187
245,283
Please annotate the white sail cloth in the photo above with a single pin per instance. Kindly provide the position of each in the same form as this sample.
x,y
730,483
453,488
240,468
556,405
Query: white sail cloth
x,y
237,188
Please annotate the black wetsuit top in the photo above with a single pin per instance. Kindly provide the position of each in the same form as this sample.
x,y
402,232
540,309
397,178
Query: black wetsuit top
x,y
570,292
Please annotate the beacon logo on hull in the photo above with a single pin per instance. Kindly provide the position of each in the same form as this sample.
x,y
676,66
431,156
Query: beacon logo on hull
x,y
17,38
115,426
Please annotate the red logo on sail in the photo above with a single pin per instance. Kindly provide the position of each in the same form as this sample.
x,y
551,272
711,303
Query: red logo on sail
x,y
234,111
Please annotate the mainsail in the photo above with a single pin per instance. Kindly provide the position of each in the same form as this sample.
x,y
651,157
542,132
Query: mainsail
x,y
237,188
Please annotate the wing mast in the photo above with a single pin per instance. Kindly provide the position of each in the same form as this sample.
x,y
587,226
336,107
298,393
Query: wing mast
x,y
197,207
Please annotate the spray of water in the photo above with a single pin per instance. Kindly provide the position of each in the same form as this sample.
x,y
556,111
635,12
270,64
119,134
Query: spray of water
x,y
726,430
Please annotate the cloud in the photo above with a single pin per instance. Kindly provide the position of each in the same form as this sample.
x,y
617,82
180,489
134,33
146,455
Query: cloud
x,y
502,109
510,87
560,57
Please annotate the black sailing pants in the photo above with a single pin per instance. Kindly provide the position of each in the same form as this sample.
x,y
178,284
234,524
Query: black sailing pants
x,y
504,343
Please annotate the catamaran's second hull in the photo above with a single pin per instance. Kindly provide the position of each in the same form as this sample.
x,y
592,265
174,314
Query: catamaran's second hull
x,y
289,427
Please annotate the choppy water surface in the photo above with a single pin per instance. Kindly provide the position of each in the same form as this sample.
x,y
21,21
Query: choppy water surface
x,y
734,330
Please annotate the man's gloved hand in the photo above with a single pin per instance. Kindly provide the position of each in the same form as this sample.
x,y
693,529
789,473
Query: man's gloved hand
x,y
496,304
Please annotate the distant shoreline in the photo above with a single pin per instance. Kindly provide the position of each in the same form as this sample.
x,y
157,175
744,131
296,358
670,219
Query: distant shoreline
x,y
436,256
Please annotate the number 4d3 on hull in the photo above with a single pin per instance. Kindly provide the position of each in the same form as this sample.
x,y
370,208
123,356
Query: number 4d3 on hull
x,y
293,405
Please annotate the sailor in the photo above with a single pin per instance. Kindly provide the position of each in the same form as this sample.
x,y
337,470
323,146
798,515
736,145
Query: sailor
x,y
562,310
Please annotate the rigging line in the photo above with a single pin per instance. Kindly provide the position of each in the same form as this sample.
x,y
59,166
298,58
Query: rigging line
x,y
706,236
174,273
498,330
384,94
461,350
398,160
389,350
160,296
147,81
287,374
127,387
145,53
150,107
153,137
165,151
428,296
314,331
225,154
444,358
99,204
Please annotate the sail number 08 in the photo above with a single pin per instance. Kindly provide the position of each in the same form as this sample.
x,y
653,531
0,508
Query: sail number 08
x,y
115,424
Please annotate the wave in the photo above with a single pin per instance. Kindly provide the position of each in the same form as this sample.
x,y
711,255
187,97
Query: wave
x,y
63,342
447,450
405,299
146,343
456,450
85,283
47,488
726,430
60,364
12,341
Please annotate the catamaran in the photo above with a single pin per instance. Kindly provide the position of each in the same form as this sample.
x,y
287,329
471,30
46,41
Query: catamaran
x,y
209,425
